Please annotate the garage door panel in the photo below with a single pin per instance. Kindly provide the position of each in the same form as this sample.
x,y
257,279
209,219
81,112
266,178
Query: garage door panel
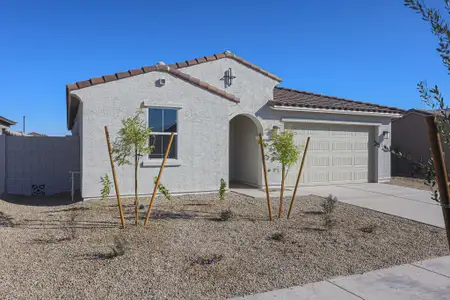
x,y
343,145
342,161
318,161
336,154
341,175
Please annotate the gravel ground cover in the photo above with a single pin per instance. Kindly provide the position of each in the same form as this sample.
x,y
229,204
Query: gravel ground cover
x,y
415,183
78,251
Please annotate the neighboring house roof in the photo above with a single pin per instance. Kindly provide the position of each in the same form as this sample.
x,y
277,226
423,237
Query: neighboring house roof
x,y
295,98
427,112
36,134
7,121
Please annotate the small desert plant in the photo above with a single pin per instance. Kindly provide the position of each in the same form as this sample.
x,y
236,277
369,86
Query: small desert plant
x,y
226,215
6,220
118,249
207,260
162,189
368,229
329,205
277,236
106,183
222,189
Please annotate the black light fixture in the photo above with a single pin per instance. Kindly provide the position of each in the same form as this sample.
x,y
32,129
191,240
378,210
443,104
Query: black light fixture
x,y
386,135
228,77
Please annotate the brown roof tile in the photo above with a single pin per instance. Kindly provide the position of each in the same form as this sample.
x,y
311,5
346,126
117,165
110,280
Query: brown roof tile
x,y
122,75
97,80
136,72
192,62
83,84
149,69
182,64
210,58
109,78
289,97
72,86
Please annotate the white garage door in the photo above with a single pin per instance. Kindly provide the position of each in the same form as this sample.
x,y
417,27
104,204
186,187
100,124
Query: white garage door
x,y
336,154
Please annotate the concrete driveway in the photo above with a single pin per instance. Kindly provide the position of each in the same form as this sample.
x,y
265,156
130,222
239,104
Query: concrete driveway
x,y
428,279
405,202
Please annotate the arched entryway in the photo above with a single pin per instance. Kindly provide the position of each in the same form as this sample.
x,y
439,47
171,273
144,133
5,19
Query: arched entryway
x,y
244,154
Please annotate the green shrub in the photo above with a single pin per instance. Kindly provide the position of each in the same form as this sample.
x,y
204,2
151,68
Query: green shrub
x,y
162,189
222,189
329,205
106,183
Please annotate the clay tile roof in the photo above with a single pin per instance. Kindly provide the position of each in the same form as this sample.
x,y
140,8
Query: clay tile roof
x,y
171,69
289,97
178,65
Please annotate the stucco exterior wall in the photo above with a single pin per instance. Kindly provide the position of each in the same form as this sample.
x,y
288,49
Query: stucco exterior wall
x,y
252,88
203,127
2,127
202,133
2,163
410,136
77,123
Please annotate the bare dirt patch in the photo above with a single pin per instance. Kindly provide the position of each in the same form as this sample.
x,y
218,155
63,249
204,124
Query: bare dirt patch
x,y
190,251
415,183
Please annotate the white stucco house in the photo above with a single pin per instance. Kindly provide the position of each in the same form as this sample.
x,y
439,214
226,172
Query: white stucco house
x,y
217,105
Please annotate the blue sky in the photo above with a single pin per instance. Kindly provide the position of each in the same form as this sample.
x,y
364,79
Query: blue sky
x,y
373,51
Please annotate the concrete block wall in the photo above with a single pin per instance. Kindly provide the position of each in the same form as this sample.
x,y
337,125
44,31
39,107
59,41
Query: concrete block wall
x,y
2,163
42,161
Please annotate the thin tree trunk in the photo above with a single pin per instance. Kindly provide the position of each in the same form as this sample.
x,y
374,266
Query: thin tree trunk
x,y
136,202
283,171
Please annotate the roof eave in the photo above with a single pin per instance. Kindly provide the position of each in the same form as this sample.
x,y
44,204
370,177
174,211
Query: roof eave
x,y
335,111
7,121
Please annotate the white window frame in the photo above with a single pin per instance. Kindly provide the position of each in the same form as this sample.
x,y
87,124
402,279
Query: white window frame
x,y
170,162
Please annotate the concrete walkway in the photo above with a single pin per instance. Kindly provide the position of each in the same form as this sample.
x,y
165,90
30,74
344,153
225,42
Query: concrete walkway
x,y
405,202
428,279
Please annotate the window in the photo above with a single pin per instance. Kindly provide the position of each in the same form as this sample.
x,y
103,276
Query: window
x,y
163,121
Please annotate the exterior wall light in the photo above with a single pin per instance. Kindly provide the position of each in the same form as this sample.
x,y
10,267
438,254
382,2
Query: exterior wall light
x,y
386,135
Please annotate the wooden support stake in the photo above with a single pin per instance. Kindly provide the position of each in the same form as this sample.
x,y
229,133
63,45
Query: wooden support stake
x,y
269,205
441,172
298,177
159,178
136,198
116,185
283,174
